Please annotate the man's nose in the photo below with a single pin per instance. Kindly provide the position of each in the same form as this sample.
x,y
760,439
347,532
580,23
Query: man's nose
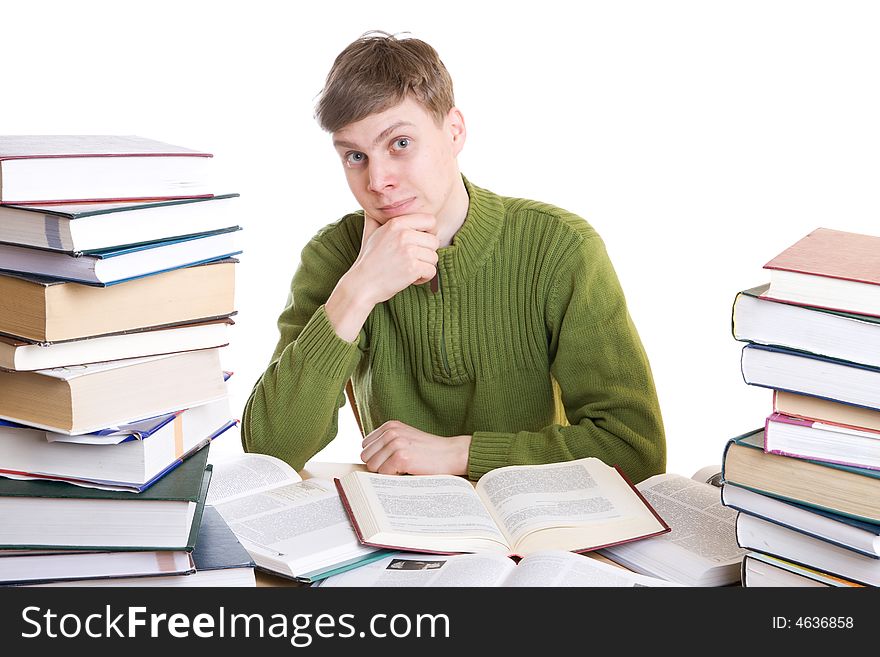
x,y
381,176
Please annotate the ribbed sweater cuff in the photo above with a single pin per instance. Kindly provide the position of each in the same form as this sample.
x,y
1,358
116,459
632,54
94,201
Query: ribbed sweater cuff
x,y
488,451
324,351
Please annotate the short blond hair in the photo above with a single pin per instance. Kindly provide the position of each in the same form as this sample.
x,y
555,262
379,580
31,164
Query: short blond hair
x,y
378,71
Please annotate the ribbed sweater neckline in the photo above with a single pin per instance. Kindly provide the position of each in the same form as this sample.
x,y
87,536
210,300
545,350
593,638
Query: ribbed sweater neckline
x,y
476,238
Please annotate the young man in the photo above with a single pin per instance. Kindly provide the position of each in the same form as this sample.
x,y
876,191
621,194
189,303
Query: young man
x,y
478,331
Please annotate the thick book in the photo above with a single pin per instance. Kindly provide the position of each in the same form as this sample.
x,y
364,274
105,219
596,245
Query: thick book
x,y
77,168
844,336
217,560
845,490
763,571
700,550
52,514
760,535
85,398
577,506
84,227
48,310
825,411
30,355
133,456
819,441
294,528
849,533
811,374
829,269
119,264
545,568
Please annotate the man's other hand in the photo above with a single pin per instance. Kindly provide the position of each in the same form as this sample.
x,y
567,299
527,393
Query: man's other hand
x,y
397,448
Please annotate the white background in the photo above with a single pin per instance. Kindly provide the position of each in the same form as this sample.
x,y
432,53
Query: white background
x,y
699,138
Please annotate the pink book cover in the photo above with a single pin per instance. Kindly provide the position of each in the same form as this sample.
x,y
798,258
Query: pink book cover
x,y
834,254
787,419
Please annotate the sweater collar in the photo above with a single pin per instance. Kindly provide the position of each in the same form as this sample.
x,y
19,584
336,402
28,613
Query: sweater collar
x,y
476,238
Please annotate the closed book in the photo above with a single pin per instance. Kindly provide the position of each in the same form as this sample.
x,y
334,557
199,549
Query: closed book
x,y
82,227
29,355
811,374
826,411
48,310
844,336
133,456
845,490
118,264
856,535
70,168
34,567
763,571
92,397
753,533
52,514
218,560
829,269
819,441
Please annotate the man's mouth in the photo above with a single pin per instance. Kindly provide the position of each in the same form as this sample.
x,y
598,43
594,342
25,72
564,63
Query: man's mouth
x,y
400,205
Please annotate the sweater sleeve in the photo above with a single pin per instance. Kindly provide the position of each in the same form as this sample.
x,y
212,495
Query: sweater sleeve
x,y
293,409
603,374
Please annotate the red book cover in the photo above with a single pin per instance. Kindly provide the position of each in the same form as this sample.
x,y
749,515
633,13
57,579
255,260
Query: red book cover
x,y
834,254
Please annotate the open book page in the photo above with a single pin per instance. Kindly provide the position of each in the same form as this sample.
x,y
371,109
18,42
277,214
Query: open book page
x,y
703,536
301,524
523,499
559,568
403,569
247,474
434,505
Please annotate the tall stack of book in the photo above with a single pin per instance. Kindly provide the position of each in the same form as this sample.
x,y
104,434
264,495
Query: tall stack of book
x,y
116,294
807,485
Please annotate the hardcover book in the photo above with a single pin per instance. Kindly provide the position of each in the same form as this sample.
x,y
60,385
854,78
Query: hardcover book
x,y
84,227
71,168
133,456
576,506
29,355
845,490
218,559
811,374
52,514
85,398
843,336
119,264
829,269
856,535
805,439
47,310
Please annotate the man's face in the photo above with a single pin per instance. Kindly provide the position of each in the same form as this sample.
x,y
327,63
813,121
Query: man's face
x,y
400,161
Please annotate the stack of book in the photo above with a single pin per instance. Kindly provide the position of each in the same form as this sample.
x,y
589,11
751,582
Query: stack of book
x,y
807,485
116,294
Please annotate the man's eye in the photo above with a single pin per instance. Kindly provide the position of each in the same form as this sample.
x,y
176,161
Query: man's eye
x,y
401,143
354,158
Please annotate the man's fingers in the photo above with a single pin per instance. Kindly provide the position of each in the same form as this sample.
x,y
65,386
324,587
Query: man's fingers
x,y
423,222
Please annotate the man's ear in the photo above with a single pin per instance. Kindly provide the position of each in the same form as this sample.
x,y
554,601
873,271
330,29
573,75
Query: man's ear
x,y
456,129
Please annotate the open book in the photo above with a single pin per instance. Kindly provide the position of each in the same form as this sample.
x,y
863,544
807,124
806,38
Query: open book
x,y
290,527
701,549
575,506
545,568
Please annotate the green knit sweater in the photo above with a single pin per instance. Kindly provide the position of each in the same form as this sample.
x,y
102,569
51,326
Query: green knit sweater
x,y
527,346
